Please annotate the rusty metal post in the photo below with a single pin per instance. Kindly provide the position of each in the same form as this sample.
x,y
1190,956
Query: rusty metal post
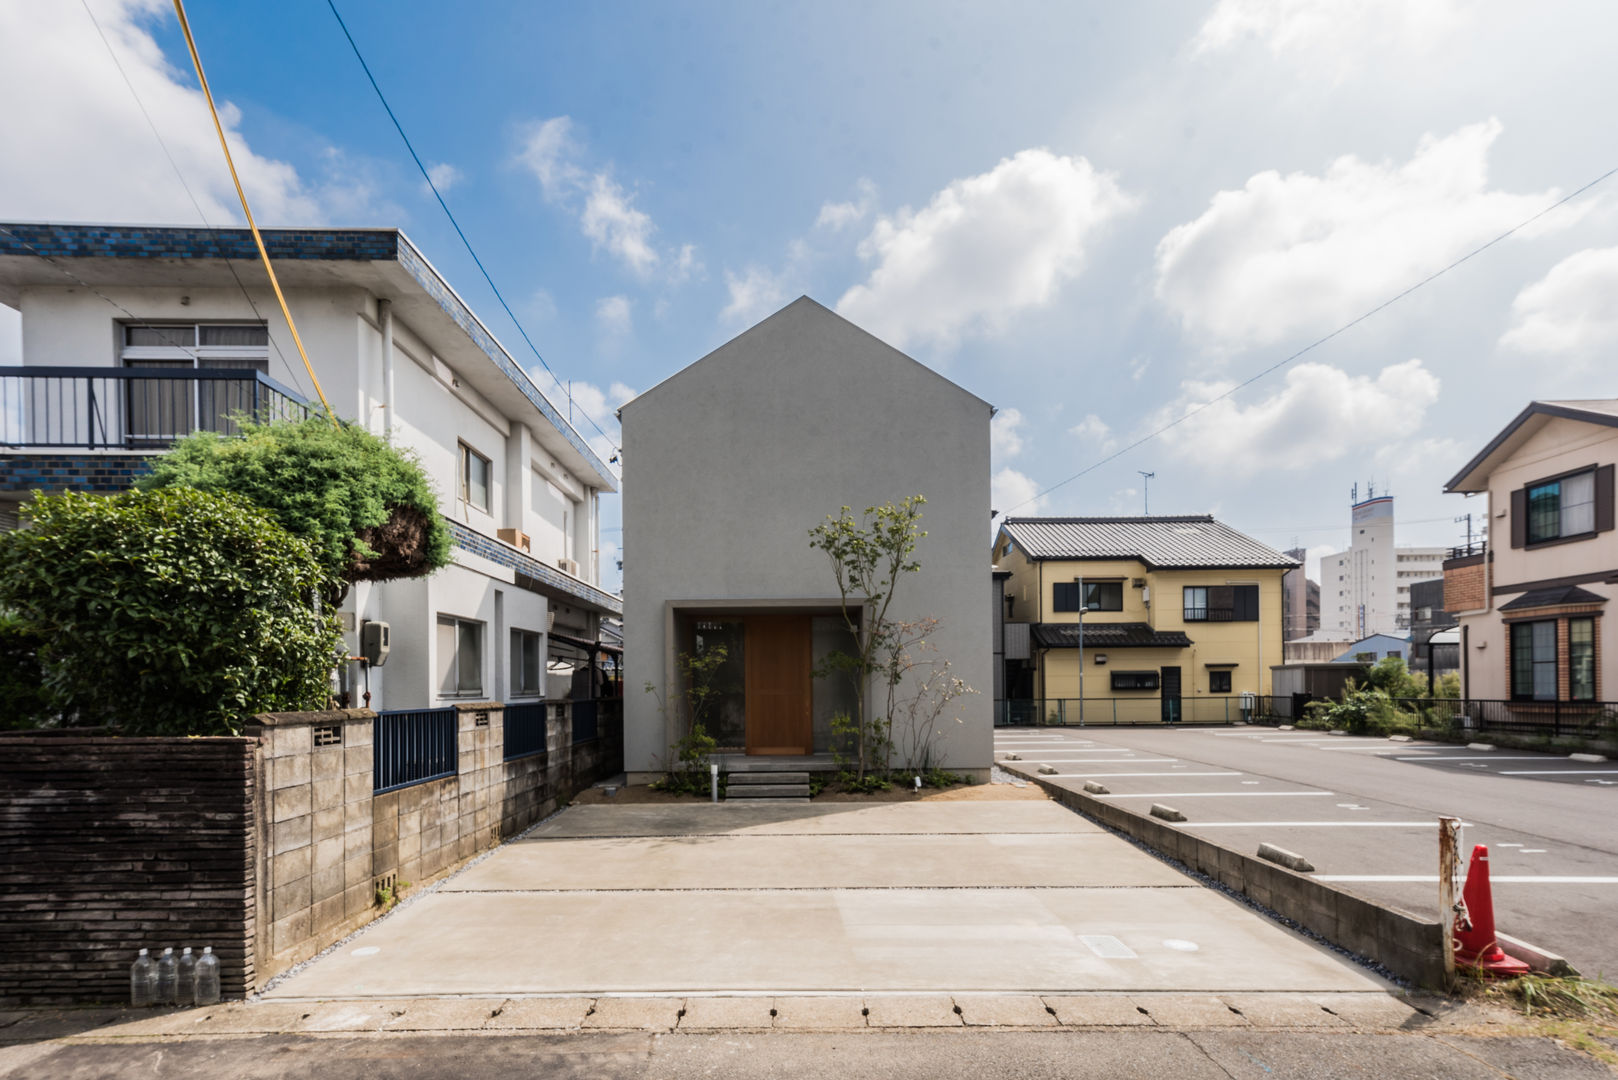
x,y
1449,862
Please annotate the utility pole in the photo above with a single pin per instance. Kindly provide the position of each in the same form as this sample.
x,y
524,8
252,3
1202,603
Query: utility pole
x,y
1467,517
1146,491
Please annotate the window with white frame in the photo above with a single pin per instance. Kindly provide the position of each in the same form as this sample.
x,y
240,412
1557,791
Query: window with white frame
x,y
162,409
460,657
527,671
474,478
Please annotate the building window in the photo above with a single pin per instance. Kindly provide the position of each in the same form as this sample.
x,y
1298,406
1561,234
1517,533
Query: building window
x,y
527,647
1218,682
474,478
460,657
1565,507
1581,659
1134,680
1221,603
1098,596
1533,661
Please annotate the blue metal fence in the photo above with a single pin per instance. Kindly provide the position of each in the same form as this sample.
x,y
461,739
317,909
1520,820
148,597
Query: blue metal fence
x,y
413,746
524,729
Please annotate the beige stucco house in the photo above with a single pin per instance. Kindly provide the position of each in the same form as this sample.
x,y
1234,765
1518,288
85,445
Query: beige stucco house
x,y
1531,600
728,464
1181,616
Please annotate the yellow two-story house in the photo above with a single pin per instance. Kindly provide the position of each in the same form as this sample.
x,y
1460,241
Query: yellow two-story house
x,y
1181,616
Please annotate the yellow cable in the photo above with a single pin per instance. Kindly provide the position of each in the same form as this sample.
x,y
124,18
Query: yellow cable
x,y
191,44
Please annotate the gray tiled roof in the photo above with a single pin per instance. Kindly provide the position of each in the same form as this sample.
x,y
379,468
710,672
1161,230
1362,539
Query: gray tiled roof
x,y
1161,542
1559,596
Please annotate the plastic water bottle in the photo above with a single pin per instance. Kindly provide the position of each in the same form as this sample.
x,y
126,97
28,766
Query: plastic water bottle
x,y
142,981
166,977
208,978
185,988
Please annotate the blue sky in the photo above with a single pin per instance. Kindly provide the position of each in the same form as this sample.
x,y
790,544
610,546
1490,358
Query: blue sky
x,y
1096,216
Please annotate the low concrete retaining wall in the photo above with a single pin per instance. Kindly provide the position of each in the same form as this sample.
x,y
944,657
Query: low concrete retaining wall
x,y
268,847
1404,944
108,845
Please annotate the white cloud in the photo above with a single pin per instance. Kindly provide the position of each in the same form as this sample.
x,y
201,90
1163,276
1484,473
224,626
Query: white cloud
x,y
1005,436
1320,414
615,314
1331,30
1010,492
839,216
542,305
1095,431
77,147
444,176
606,211
983,250
754,293
589,402
1305,253
1570,312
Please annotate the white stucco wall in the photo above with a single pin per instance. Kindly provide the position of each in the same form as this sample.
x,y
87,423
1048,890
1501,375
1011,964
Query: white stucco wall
x,y
730,463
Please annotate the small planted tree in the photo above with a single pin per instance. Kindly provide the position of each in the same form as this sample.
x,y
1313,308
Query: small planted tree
x,y
869,556
700,688
172,612
366,508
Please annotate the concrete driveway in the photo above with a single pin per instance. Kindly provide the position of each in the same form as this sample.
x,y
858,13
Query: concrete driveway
x,y
825,898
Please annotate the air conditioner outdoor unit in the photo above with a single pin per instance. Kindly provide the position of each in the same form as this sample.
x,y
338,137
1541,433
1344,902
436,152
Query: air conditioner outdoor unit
x,y
570,565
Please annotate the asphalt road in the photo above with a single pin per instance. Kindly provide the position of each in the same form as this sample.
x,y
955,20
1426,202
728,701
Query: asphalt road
x,y
1364,811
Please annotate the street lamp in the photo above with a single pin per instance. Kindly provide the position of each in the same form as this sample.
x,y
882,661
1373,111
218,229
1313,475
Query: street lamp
x,y
1084,605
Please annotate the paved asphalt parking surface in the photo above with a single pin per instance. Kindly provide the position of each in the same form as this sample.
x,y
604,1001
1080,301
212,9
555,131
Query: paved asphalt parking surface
x,y
1364,811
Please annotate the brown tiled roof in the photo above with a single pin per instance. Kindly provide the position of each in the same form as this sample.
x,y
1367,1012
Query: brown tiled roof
x,y
1108,636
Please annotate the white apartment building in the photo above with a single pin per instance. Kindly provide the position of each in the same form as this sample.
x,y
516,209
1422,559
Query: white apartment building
x,y
1366,589
133,336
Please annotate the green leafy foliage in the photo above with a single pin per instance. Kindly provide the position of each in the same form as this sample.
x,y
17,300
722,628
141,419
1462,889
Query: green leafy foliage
x,y
690,755
170,612
869,556
24,701
365,507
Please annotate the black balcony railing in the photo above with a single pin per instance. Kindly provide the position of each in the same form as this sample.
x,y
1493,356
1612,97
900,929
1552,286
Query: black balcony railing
x,y
103,408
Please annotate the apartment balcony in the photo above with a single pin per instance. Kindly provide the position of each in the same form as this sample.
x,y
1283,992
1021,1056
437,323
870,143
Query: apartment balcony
x,y
57,409
1467,578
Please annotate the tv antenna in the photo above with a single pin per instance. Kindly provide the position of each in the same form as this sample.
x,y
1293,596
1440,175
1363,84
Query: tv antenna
x,y
1146,491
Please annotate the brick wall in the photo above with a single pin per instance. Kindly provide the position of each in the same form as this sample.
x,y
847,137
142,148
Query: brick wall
x,y
1466,583
268,848
102,474
108,845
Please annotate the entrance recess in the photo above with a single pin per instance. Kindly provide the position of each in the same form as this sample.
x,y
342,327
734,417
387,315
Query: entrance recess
x,y
778,674
1169,688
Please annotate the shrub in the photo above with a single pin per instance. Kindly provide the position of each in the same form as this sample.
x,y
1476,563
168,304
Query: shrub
x,y
22,682
172,612
366,508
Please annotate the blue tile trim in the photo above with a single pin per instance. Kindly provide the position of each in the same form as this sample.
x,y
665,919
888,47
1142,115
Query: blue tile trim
x,y
101,474
504,554
143,242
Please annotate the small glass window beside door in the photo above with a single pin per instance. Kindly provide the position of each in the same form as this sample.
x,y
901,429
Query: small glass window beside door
x,y
460,657
1218,682
474,478
527,648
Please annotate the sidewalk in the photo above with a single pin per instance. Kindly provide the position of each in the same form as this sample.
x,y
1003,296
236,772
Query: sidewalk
x,y
1180,1035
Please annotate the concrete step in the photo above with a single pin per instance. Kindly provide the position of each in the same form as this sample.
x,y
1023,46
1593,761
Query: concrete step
x,y
767,802
767,778
768,791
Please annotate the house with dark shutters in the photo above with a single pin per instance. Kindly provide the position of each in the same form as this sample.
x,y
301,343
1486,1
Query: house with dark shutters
x,y
1136,619
1531,599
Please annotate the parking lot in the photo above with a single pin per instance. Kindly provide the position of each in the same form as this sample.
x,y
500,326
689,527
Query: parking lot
x,y
1364,812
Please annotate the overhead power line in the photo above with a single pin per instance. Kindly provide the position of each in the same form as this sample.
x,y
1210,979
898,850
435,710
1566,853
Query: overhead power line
x,y
296,379
1279,364
286,312
425,175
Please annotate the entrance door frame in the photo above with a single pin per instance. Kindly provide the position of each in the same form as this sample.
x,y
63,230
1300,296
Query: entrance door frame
x,y
726,607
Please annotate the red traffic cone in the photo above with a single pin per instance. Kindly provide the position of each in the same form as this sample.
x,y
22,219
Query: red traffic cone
x,y
1475,943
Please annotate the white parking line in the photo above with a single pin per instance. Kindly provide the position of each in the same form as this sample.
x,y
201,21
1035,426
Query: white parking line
x,y
1313,824
1174,775
1216,794
1554,772
1509,879
1109,761
1467,757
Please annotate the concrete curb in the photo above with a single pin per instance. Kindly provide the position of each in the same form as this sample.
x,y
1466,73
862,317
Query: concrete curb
x,y
1539,959
1408,946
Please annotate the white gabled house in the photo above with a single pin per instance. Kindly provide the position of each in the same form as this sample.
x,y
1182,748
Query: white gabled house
x,y
728,464
133,335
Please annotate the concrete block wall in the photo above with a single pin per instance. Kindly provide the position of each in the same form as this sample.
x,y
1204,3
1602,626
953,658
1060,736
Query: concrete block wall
x,y
108,845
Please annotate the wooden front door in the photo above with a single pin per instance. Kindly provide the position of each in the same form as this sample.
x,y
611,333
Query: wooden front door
x,y
778,666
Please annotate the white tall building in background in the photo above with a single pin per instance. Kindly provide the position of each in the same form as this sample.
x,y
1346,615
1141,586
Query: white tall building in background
x,y
1366,589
